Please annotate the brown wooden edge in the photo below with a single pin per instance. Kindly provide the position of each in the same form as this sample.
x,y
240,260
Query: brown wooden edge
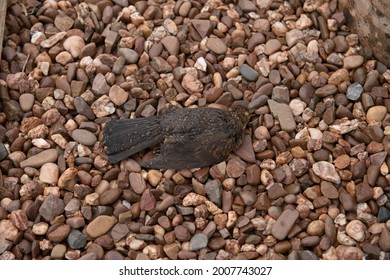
x,y
3,11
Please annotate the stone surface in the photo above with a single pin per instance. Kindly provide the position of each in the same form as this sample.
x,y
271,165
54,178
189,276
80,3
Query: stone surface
x,y
248,73
117,95
376,113
40,159
51,207
216,45
354,91
76,239
326,171
310,180
284,114
84,137
100,226
49,173
284,223
356,229
198,241
26,101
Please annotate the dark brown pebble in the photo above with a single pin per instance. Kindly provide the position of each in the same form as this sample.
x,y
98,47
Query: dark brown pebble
x,y
348,202
310,241
110,196
282,247
340,44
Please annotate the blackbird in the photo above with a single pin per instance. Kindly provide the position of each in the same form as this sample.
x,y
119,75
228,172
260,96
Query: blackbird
x,y
187,137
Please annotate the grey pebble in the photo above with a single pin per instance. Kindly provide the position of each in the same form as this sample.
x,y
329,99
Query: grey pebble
x,y
76,239
198,241
249,73
214,191
84,137
354,91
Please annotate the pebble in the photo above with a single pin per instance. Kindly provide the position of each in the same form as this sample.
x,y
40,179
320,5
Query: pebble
x,y
63,22
50,42
26,101
202,26
100,226
49,173
110,196
326,90
384,240
284,223
161,65
103,107
354,91
216,45
348,202
272,46
198,241
148,201
99,85
119,231
353,61
235,167
326,171
76,239
7,230
356,229
329,190
213,190
245,151
342,161
83,108
253,174
117,95
59,234
84,137
137,182
40,228
249,73
51,207
349,253
276,191
383,214
284,114
67,179
182,233
316,228
376,114
330,229
310,241
171,44
58,252
131,56
40,159
297,107
171,250
74,45
314,154
364,192
293,36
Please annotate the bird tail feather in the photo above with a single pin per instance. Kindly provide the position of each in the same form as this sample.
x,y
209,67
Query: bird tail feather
x,y
126,137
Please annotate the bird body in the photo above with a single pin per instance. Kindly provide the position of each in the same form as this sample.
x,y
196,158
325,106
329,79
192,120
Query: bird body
x,y
188,137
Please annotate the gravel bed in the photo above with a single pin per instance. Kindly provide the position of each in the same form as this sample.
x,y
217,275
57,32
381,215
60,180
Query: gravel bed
x,y
310,181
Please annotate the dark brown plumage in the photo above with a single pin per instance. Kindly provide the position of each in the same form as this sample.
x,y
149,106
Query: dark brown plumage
x,y
187,137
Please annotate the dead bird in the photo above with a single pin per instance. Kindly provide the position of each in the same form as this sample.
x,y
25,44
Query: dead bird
x,y
187,137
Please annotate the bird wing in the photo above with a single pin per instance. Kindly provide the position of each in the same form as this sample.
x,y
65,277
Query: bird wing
x,y
191,152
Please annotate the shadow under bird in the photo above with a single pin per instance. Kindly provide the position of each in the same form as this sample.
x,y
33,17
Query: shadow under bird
x,y
185,137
